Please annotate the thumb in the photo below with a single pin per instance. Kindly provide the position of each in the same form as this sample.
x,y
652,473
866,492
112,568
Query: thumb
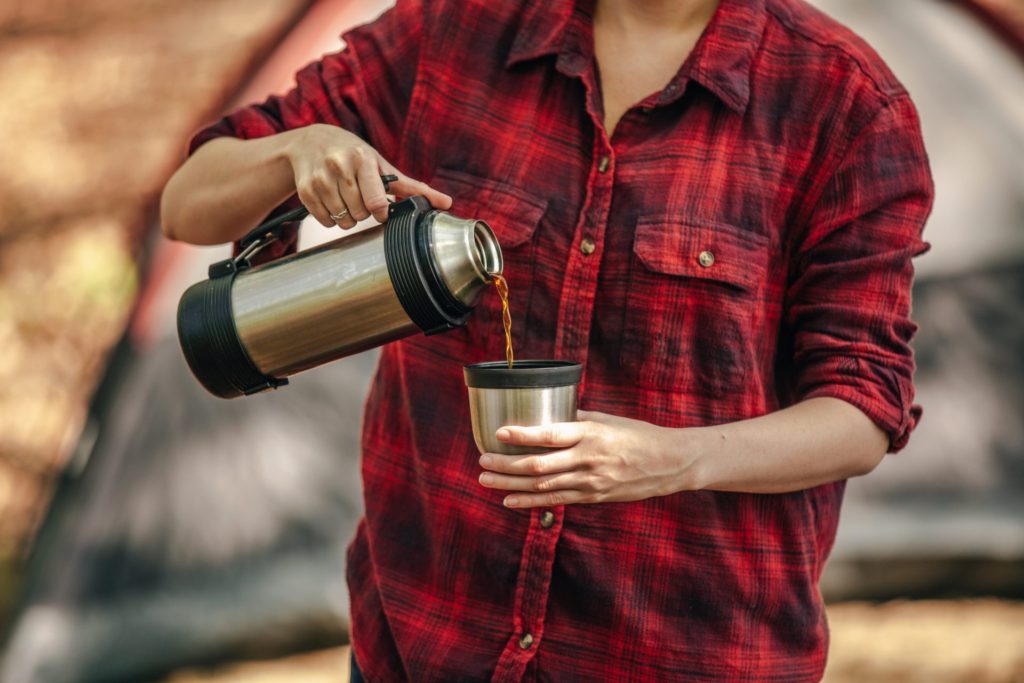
x,y
407,187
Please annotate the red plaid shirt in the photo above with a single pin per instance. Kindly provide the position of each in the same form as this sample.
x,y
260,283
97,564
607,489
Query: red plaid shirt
x,y
743,242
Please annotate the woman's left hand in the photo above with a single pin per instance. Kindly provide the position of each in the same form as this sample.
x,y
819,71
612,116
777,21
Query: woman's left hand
x,y
605,458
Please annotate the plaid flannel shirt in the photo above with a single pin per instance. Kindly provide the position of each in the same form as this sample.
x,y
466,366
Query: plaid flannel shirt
x,y
742,242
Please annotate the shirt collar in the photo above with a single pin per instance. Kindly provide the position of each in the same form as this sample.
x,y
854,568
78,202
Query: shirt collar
x,y
541,30
721,60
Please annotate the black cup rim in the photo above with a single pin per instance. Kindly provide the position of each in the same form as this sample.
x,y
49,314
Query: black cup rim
x,y
524,374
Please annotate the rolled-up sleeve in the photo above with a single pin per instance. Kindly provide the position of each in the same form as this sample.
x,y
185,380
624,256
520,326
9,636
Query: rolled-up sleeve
x,y
849,294
364,88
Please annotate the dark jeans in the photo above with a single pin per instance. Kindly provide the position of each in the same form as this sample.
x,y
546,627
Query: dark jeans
x,y
356,676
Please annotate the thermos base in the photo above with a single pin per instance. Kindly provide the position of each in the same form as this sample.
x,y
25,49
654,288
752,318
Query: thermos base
x,y
209,340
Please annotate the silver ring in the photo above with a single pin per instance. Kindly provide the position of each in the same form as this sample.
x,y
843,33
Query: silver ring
x,y
338,216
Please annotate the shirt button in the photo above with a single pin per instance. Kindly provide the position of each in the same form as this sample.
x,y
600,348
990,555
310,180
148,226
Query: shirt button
x,y
706,259
587,246
526,641
603,163
547,519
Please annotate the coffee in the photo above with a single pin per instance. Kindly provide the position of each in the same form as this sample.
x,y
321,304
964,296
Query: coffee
x,y
506,318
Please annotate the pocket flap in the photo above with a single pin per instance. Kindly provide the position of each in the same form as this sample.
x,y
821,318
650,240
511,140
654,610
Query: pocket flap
x,y
703,249
512,213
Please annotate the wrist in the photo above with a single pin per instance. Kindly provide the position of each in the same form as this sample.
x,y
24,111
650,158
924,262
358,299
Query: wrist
x,y
274,158
696,447
284,147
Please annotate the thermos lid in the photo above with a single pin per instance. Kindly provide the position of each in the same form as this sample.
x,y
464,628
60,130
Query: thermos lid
x,y
522,374
429,254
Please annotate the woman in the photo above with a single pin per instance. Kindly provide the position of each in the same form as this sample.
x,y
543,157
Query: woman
x,y
713,206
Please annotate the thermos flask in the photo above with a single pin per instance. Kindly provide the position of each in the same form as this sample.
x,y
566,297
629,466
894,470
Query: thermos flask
x,y
247,328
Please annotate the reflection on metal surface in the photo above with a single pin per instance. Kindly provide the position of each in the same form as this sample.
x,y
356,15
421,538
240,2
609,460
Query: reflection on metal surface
x,y
494,408
451,239
342,303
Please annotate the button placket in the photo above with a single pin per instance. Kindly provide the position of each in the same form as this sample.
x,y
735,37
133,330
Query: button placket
x,y
576,304
580,284
532,590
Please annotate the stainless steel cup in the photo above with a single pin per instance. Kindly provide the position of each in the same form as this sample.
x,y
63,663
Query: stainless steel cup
x,y
532,392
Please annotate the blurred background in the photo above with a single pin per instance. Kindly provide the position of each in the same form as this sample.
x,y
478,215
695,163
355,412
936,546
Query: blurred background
x,y
149,532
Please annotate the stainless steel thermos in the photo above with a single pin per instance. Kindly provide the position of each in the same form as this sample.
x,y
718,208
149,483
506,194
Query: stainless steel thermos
x,y
246,329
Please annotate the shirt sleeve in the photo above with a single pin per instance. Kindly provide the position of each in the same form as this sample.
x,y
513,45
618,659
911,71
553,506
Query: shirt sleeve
x,y
365,88
848,297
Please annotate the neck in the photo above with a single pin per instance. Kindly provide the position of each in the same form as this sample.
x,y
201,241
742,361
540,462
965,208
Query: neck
x,y
678,15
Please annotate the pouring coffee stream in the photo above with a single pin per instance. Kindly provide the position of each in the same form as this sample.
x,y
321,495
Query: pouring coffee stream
x,y
501,285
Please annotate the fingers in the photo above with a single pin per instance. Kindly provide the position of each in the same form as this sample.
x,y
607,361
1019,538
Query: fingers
x,y
311,200
530,465
545,500
346,169
555,482
407,187
539,480
332,199
327,183
338,174
559,435
371,188
536,492
353,201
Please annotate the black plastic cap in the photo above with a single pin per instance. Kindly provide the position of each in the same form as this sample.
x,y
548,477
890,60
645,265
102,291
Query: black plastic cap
x,y
209,340
414,275
523,374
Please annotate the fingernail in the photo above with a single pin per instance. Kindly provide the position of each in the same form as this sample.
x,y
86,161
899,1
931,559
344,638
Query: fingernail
x,y
486,460
504,434
511,501
486,478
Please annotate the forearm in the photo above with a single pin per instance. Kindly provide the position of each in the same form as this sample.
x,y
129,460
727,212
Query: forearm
x,y
226,188
229,185
813,442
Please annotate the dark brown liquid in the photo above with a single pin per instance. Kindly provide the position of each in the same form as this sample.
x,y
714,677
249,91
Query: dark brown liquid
x,y
506,318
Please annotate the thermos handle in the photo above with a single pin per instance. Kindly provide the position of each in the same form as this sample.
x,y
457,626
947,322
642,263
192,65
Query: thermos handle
x,y
267,232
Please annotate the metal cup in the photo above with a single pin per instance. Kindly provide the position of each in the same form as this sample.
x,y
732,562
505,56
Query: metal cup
x,y
532,392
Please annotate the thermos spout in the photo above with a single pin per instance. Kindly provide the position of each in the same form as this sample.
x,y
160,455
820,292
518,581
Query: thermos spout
x,y
453,238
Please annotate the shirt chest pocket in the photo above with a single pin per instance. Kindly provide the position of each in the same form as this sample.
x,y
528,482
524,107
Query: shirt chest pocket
x,y
695,307
513,215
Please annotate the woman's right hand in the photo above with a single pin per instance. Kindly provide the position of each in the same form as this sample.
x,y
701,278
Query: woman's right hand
x,y
337,176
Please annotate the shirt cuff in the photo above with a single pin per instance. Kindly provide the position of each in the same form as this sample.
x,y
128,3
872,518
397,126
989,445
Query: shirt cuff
x,y
884,397
217,130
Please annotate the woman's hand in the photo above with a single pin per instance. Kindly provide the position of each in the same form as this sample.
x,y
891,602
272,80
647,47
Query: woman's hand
x,y
604,459
337,176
